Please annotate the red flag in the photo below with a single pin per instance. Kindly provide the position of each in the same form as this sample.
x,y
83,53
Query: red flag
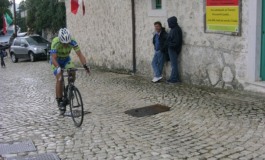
x,y
74,6
4,24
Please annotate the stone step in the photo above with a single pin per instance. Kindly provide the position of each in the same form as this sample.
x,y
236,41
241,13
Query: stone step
x,y
255,87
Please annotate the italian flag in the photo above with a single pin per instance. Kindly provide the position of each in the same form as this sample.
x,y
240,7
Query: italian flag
x,y
7,21
75,5
4,24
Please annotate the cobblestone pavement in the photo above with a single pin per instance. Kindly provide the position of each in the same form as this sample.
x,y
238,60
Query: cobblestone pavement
x,y
202,123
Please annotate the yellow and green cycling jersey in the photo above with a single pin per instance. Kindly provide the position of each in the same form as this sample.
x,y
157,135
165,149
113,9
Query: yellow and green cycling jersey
x,y
63,53
61,50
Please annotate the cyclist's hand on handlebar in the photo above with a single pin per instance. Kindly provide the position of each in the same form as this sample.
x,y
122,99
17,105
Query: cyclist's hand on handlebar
x,y
57,71
87,69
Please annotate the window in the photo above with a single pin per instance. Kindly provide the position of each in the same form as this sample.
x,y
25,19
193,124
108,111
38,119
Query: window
x,y
39,39
17,42
31,41
157,4
23,41
157,8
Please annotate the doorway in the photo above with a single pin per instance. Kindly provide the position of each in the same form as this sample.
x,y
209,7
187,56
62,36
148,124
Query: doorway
x,y
262,63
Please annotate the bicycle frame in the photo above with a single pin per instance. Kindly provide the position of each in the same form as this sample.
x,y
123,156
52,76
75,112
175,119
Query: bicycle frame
x,y
71,80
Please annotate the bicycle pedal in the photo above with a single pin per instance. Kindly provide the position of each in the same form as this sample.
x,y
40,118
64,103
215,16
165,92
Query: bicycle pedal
x,y
76,106
61,116
62,113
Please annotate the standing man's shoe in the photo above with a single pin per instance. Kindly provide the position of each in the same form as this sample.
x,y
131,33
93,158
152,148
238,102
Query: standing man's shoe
x,y
172,82
157,79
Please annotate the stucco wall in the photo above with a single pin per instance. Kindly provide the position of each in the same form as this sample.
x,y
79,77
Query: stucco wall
x,y
104,32
206,59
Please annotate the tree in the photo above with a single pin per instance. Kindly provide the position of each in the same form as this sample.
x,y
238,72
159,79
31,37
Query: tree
x,y
20,18
22,6
4,4
31,6
45,14
58,14
59,19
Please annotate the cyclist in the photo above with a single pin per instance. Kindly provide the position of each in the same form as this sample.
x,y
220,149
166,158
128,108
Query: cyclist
x,y
60,58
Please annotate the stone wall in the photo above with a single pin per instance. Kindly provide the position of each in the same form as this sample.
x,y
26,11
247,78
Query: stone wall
x,y
104,33
206,59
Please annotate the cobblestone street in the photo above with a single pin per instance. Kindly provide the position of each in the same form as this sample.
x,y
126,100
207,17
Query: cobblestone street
x,y
202,123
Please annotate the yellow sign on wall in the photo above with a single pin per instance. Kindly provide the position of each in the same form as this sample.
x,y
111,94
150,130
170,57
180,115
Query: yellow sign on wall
x,y
222,17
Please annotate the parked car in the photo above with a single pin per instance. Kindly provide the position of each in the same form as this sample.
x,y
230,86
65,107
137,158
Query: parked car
x,y
4,39
11,39
29,47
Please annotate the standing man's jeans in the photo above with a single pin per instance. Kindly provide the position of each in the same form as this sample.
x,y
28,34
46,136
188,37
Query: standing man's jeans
x,y
158,63
173,56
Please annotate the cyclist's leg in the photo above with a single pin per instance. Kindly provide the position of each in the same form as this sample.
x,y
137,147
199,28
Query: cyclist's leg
x,y
58,86
70,65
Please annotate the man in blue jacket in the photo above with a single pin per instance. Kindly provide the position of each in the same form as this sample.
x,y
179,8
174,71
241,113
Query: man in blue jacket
x,y
174,48
160,47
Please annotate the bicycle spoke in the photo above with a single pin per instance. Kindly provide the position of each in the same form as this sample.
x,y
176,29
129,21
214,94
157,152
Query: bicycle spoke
x,y
77,98
77,113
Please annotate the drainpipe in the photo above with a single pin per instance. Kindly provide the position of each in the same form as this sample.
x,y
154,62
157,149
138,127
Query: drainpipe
x,y
133,36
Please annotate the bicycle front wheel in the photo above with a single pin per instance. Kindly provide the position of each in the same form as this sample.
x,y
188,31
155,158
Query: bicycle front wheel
x,y
76,106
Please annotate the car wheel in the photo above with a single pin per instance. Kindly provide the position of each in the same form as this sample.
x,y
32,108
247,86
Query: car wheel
x,y
32,57
14,58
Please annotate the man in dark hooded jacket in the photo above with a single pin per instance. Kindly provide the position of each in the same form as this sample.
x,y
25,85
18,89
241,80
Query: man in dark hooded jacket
x,y
174,48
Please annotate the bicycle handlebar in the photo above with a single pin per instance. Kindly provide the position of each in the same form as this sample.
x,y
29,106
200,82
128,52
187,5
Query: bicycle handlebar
x,y
72,69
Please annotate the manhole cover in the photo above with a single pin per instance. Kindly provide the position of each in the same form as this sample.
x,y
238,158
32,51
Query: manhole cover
x,y
46,156
148,111
76,113
17,147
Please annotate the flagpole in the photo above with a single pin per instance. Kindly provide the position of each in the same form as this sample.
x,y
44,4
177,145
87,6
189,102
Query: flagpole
x,y
15,17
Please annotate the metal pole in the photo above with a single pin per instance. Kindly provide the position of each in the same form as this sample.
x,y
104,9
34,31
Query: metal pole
x,y
15,17
133,36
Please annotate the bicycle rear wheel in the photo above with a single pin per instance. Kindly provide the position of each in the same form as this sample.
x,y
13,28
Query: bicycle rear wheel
x,y
76,106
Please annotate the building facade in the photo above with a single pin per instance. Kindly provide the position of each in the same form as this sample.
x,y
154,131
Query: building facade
x,y
106,34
